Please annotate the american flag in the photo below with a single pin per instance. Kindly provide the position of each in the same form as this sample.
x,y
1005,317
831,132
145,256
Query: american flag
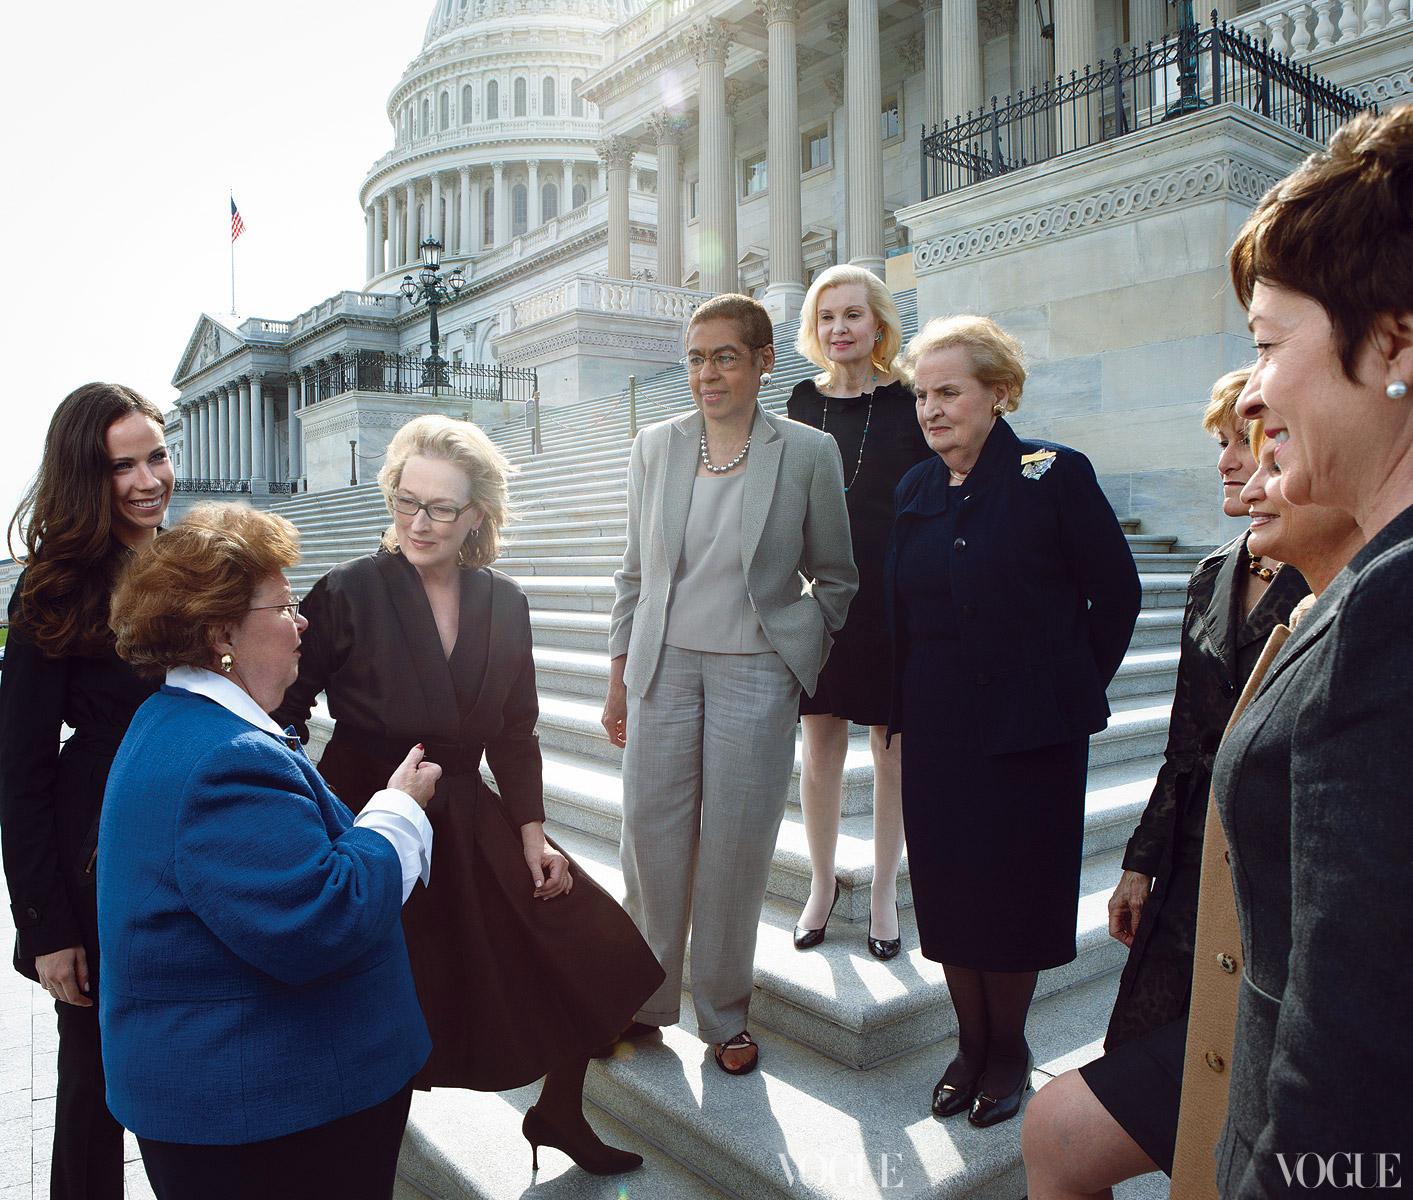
x,y
237,225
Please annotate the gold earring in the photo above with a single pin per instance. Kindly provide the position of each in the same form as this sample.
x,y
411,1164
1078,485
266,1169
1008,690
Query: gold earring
x,y
998,409
227,662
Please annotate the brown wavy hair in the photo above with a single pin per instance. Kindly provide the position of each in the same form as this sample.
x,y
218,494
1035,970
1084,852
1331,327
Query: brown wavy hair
x,y
71,557
200,575
1339,229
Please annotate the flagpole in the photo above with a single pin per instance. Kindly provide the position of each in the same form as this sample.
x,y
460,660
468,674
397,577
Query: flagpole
x,y
233,307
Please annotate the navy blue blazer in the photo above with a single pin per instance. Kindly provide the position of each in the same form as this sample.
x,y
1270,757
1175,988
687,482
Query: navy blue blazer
x,y
255,980
1044,588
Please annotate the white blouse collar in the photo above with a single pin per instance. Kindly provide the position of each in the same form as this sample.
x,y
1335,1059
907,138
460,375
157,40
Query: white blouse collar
x,y
225,692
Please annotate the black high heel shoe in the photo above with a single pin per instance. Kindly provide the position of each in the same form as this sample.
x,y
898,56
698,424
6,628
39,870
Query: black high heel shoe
x,y
588,1152
987,1111
805,939
885,948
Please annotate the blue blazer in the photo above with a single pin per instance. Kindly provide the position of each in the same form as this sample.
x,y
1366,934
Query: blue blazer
x,y
255,980
1044,589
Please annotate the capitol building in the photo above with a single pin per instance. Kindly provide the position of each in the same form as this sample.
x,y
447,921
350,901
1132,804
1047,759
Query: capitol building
x,y
594,168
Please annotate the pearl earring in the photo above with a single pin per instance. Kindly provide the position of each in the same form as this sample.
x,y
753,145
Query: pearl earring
x,y
1396,390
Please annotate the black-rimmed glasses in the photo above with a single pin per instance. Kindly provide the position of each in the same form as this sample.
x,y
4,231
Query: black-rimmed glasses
x,y
446,513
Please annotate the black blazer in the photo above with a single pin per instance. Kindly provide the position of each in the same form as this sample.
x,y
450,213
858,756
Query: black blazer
x,y
1313,788
50,801
1044,588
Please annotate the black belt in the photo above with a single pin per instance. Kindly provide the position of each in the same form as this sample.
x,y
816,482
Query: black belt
x,y
454,758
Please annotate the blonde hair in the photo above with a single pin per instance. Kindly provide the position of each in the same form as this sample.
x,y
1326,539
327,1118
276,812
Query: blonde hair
x,y
196,577
1221,408
996,357
487,470
880,303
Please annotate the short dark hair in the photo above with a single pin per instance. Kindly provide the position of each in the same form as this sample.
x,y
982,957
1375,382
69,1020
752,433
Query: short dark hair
x,y
750,317
1339,229
196,577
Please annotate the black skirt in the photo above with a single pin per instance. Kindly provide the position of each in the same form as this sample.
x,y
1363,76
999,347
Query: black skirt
x,y
1140,1084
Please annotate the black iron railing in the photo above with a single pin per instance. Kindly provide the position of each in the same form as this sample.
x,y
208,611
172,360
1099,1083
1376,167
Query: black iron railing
x,y
276,487
1193,69
409,375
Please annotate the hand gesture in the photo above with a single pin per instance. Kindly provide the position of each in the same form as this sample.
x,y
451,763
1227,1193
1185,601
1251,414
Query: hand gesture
x,y
416,777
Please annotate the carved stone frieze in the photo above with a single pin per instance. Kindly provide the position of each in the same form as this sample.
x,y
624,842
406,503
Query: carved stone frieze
x,y
588,337
995,18
1214,178
835,83
838,26
1386,88
910,54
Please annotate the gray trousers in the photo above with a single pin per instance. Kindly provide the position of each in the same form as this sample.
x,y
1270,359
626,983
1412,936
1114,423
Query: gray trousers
x,y
706,769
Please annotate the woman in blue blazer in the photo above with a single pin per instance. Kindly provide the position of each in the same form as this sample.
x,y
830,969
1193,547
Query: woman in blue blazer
x,y
260,1027
1012,594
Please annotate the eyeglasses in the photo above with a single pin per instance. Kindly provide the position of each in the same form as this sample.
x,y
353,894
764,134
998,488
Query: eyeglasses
x,y
725,360
291,607
446,513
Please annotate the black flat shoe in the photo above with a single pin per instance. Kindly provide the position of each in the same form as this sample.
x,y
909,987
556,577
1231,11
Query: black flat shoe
x,y
806,939
988,1111
587,1151
950,1099
885,948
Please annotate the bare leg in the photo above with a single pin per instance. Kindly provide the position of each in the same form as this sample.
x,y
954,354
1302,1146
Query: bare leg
x,y
1073,1147
887,830
826,742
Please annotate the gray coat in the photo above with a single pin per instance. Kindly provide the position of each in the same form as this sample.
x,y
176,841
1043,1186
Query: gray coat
x,y
793,524
1314,786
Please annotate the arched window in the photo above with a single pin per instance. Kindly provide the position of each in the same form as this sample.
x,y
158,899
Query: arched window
x,y
466,105
492,100
576,101
521,102
547,97
488,217
426,115
580,195
519,209
549,202
444,111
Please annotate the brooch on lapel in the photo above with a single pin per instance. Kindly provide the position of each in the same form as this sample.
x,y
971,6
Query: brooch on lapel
x,y
1033,466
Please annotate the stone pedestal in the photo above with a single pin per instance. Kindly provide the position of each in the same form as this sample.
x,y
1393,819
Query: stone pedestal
x,y
1110,265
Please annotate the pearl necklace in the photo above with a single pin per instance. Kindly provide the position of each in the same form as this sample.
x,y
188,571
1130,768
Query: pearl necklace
x,y
731,466
868,418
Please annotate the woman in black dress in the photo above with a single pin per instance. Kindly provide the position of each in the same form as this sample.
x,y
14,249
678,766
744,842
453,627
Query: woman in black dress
x,y
101,492
522,966
849,326
1013,594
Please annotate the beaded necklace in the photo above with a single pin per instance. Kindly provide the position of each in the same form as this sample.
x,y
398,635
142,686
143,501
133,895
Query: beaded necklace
x,y
868,418
1253,564
731,466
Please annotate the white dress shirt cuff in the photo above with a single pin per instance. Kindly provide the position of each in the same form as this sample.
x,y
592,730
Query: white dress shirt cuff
x,y
399,818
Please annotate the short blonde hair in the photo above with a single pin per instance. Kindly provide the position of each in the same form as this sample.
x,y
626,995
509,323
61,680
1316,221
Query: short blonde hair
x,y
487,470
1221,408
996,357
880,303
193,579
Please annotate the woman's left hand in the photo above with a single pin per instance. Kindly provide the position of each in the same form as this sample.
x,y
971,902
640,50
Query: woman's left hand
x,y
548,867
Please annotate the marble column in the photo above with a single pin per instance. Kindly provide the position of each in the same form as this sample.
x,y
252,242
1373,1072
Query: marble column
x,y
716,240
786,290
409,245
617,155
464,240
434,209
667,131
368,226
501,212
223,434
934,40
272,461
1147,22
379,261
478,214
210,460
390,221
603,180
864,85
241,441
534,212
961,59
566,188
1074,50
256,453
292,426
185,412
296,430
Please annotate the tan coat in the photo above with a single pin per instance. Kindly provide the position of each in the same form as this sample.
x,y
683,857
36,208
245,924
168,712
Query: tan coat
x,y
1216,979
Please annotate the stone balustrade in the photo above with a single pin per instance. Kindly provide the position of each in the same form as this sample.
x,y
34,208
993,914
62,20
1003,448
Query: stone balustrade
x,y
1300,28
595,294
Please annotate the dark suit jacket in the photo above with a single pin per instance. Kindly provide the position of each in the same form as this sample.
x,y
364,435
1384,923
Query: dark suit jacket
x,y
1044,589
1313,788
1219,650
50,800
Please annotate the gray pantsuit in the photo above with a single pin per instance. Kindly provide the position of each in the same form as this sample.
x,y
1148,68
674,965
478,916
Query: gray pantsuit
x,y
710,737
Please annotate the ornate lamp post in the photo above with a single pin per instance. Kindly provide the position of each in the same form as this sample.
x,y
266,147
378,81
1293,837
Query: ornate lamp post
x,y
431,289
1045,14
1189,98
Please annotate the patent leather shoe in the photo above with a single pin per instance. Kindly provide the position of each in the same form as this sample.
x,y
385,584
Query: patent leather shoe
x,y
988,1110
583,1146
884,948
948,1101
806,939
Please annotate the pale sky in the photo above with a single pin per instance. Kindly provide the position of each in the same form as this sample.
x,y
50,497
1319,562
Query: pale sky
x,y
126,127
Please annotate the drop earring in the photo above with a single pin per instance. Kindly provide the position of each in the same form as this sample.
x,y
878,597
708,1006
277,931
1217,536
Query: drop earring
x,y
227,662
1396,390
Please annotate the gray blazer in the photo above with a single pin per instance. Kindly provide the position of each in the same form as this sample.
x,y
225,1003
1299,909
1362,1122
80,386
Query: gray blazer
x,y
1313,788
793,524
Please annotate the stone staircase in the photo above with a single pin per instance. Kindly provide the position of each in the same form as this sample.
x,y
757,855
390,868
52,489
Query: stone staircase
x,y
850,1046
